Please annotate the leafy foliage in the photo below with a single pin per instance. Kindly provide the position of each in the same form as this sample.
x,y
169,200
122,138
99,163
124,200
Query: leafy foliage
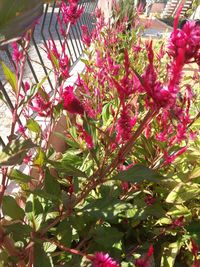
x,y
123,189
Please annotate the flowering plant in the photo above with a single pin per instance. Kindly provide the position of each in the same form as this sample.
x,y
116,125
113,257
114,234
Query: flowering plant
x,y
124,188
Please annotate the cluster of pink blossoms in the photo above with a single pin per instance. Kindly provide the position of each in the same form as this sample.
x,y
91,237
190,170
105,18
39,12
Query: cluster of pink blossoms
x,y
62,70
17,54
164,96
71,12
86,38
41,105
70,102
103,260
186,41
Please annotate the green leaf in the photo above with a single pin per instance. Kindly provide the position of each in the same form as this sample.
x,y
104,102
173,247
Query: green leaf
x,y
19,231
43,194
54,59
42,92
71,157
14,152
170,252
137,174
127,264
10,77
51,185
195,173
40,158
179,210
64,233
183,192
85,61
34,211
106,236
67,169
106,113
67,140
33,126
41,258
194,231
19,177
11,208
164,221
49,247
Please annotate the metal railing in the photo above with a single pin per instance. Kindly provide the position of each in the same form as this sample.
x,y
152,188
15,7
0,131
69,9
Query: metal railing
x,y
37,65
173,5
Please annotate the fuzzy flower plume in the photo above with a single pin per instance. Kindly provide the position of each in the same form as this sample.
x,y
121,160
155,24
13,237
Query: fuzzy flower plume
x,y
85,35
185,41
71,103
41,104
103,260
17,54
60,62
72,12
125,125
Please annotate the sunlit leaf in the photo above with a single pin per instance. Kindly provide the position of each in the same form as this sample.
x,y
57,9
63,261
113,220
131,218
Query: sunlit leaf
x,y
19,176
170,252
137,174
33,126
12,209
14,152
183,192
10,76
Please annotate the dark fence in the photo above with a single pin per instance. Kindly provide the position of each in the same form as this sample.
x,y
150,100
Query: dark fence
x,y
37,65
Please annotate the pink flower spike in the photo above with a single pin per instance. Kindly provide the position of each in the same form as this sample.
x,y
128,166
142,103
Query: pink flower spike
x,y
26,86
103,260
71,103
150,251
85,35
17,54
176,19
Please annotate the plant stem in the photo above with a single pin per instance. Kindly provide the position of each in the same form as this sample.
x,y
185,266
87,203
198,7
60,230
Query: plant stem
x,y
3,184
70,250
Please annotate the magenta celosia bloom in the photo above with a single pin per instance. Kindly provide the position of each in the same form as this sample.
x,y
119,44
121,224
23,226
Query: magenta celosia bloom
x,y
72,12
185,40
26,86
51,48
113,67
149,200
62,68
86,38
179,222
125,125
86,136
103,260
171,158
70,102
16,54
41,105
